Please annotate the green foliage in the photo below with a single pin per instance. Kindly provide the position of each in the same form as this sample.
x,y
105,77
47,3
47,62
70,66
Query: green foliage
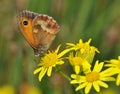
x,y
96,19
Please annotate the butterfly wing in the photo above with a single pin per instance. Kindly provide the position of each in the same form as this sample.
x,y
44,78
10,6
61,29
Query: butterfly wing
x,y
44,31
25,19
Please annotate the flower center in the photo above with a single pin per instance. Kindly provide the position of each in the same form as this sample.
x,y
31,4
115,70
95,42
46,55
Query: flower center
x,y
76,61
92,76
49,60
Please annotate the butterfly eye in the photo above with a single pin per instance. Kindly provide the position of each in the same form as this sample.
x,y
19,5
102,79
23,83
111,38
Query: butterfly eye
x,y
25,22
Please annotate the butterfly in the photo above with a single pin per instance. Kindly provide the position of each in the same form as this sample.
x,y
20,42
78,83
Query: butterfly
x,y
38,29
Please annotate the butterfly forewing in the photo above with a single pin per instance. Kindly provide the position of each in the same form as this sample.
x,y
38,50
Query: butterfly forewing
x,y
25,19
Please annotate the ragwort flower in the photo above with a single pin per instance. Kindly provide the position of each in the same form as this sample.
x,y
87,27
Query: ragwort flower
x,y
87,51
114,67
78,63
94,78
78,45
50,60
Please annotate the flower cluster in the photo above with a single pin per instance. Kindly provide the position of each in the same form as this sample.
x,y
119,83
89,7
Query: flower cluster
x,y
80,56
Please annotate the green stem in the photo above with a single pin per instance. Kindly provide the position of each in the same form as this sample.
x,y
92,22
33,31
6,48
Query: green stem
x,y
64,75
69,79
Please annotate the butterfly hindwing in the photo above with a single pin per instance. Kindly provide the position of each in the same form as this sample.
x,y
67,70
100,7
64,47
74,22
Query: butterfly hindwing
x,y
44,30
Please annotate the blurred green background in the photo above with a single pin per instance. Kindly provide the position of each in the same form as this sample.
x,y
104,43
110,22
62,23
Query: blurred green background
x,y
96,19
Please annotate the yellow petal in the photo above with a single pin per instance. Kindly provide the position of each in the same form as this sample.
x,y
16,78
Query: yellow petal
x,y
60,62
70,44
86,67
49,71
77,69
63,52
103,84
88,87
56,51
108,65
80,41
38,70
42,73
89,41
81,86
109,72
82,78
74,82
98,67
40,64
73,76
96,86
118,80
114,61
107,78
118,57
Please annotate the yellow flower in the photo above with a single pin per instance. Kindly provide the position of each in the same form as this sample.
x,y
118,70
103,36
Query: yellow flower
x,y
7,89
81,45
78,45
85,49
114,67
94,78
49,61
78,63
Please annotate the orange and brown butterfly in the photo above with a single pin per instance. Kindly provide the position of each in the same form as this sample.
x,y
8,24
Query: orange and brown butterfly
x,y
38,29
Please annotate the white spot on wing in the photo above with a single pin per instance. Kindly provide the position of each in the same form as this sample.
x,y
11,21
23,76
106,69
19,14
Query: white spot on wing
x,y
35,30
43,26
